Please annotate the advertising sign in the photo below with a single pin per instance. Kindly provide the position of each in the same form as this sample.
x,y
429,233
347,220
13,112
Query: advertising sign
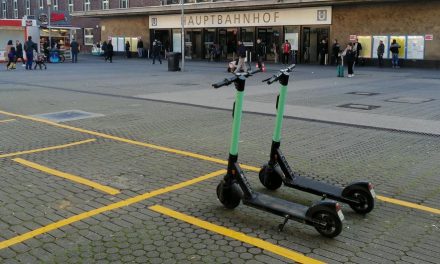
x,y
415,47
366,46
376,42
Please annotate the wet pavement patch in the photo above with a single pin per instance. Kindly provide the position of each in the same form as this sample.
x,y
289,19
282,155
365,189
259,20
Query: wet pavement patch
x,y
68,115
409,100
359,106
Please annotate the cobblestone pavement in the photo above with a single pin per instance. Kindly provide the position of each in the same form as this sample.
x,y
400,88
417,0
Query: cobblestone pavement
x,y
136,148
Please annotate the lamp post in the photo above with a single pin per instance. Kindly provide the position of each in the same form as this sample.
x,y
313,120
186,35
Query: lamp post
x,y
182,20
49,4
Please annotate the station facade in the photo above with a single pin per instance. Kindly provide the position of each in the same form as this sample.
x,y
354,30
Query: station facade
x,y
414,24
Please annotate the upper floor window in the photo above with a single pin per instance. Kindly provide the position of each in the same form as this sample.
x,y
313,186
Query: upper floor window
x,y
70,6
86,5
4,9
15,6
105,4
41,4
123,3
55,4
28,7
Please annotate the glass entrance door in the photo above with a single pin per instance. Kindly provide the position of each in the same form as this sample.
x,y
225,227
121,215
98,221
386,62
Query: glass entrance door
x,y
270,37
311,39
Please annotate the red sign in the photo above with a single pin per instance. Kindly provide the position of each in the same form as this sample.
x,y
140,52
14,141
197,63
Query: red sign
x,y
353,37
54,17
429,37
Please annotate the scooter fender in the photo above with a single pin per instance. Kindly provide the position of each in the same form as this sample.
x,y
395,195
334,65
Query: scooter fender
x,y
361,185
325,205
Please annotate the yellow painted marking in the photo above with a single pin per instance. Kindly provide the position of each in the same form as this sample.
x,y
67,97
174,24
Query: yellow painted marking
x,y
408,204
287,253
68,176
46,149
7,120
175,151
127,202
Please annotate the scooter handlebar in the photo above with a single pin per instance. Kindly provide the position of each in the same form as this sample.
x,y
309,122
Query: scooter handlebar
x,y
277,76
228,81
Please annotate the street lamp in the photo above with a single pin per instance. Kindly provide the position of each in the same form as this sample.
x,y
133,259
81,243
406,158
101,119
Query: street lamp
x,y
182,21
49,4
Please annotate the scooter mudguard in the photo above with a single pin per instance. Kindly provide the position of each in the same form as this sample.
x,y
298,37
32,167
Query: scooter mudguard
x,y
362,185
325,205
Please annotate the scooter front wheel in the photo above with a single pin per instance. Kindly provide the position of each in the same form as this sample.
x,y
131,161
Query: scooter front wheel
x,y
229,195
328,224
269,178
365,199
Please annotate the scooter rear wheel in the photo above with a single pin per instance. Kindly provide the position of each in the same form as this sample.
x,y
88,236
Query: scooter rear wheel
x,y
229,196
269,178
366,201
328,223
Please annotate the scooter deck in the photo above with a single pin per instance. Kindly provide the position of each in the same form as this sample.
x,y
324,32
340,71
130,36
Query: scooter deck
x,y
313,186
277,206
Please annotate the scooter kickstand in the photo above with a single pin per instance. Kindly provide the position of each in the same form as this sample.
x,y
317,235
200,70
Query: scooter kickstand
x,y
281,226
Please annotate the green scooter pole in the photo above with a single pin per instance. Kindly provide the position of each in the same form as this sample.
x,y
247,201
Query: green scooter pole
x,y
235,137
280,114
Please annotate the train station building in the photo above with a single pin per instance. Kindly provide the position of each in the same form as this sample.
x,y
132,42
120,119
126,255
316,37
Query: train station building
x,y
414,24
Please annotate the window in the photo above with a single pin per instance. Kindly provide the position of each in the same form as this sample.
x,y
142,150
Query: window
x,y
105,4
15,6
70,6
123,3
86,5
4,9
28,7
41,4
88,36
55,4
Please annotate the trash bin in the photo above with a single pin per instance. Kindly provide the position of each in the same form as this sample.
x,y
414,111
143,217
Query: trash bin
x,y
173,61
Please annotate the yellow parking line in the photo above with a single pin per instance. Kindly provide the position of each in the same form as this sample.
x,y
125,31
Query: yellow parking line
x,y
171,150
7,120
408,204
287,253
68,176
127,202
46,149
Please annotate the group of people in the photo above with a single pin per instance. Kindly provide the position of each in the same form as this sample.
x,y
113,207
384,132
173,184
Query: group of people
x,y
107,48
14,53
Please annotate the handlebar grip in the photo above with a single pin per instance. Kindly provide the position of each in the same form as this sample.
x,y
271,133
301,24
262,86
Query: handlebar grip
x,y
220,84
272,79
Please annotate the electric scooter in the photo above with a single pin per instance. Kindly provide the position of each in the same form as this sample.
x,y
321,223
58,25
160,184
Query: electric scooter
x,y
325,216
359,195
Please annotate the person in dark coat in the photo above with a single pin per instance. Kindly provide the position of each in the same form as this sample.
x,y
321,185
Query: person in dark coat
x,y
109,51
259,50
323,51
336,49
19,52
157,46
74,46
241,50
350,57
380,52
127,49
104,49
29,48
140,48
357,48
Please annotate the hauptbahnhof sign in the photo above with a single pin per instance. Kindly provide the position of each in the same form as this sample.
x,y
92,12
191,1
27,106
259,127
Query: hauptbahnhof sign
x,y
276,17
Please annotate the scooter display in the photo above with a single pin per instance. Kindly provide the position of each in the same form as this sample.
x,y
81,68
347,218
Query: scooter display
x,y
359,195
325,216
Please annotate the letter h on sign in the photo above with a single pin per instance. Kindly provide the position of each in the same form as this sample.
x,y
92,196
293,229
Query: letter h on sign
x,y
322,15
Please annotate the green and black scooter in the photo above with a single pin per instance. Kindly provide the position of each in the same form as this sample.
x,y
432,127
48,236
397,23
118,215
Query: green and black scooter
x,y
359,195
325,216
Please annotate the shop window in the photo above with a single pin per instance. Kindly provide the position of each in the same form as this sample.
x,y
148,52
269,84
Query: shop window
x,y
28,7
88,37
4,9
105,4
41,4
70,6
15,6
86,5
55,5
123,3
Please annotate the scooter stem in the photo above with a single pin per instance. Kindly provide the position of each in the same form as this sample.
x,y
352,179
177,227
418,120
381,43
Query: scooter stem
x,y
236,124
284,80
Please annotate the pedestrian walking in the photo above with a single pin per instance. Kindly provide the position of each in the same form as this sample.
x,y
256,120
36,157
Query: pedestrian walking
x,y
286,51
19,52
259,50
380,52
127,49
104,50
157,46
241,50
394,48
336,50
140,48
74,47
357,48
350,57
109,51
323,51
29,48
11,59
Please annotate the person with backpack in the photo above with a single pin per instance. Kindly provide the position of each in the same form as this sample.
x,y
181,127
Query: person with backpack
x,y
394,48
29,48
241,51
286,51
